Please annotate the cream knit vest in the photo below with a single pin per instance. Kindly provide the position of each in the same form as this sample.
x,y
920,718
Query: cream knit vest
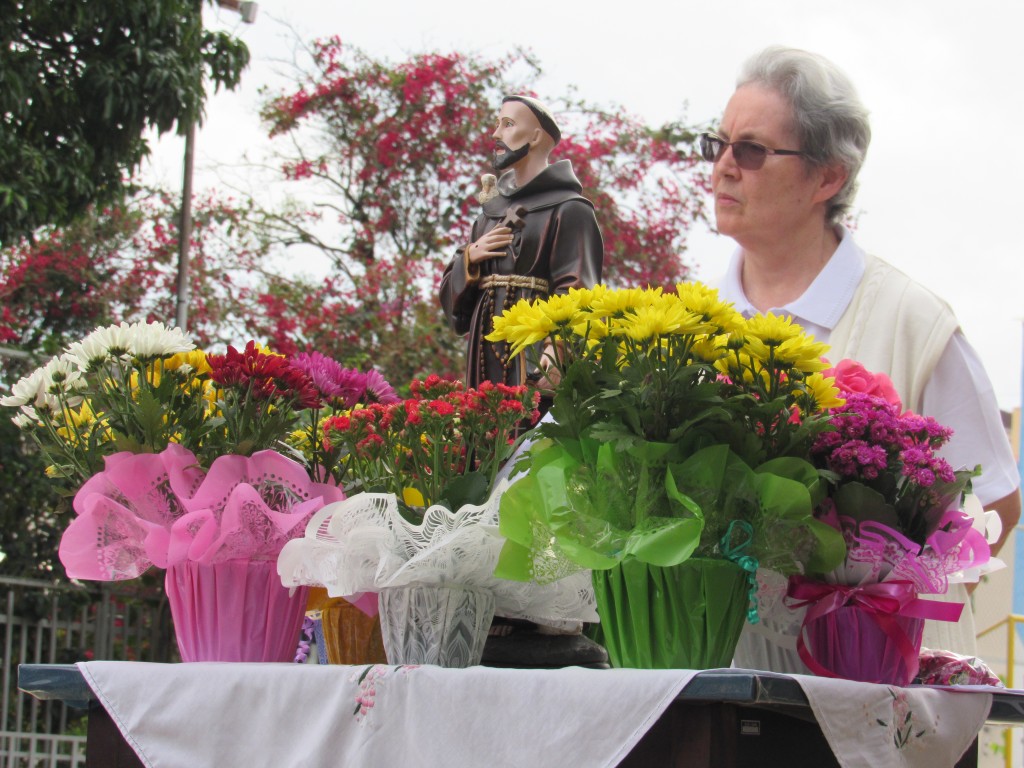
x,y
895,326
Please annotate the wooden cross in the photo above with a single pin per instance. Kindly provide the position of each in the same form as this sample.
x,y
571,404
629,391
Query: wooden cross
x,y
514,218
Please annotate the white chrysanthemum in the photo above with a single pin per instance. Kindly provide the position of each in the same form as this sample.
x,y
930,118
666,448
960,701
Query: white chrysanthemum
x,y
100,345
152,340
29,412
29,390
92,351
62,376
23,421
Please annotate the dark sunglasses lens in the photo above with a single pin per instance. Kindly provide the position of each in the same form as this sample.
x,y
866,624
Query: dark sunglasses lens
x,y
710,146
749,156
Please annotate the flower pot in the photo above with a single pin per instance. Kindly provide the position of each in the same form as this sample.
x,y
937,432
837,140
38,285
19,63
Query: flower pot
x,y
443,625
687,616
857,644
236,610
350,636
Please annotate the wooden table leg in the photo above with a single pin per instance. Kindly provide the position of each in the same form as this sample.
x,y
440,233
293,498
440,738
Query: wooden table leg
x,y
970,757
719,734
105,747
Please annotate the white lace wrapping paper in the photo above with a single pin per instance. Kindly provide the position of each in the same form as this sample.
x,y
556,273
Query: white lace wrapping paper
x,y
363,544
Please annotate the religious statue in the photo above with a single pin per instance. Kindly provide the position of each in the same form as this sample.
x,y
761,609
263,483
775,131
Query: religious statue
x,y
535,237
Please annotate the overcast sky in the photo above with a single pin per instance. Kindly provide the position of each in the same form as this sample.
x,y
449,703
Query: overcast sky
x,y
941,191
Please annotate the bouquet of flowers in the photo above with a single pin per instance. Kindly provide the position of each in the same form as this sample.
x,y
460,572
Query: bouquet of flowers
x,y
897,504
176,458
680,435
677,424
422,511
443,445
175,454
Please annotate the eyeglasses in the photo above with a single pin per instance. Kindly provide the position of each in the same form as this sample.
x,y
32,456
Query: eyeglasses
x,y
749,155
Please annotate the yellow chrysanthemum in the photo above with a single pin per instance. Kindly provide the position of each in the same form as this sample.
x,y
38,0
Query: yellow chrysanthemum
x,y
823,391
802,353
521,325
616,303
511,319
585,297
590,327
771,329
299,438
77,425
770,337
740,367
195,359
709,349
663,318
134,383
561,309
266,350
703,300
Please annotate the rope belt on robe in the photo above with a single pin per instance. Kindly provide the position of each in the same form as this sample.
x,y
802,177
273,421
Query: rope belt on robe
x,y
511,283
514,281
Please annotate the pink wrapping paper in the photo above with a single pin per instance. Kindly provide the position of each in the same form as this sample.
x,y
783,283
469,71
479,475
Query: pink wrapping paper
x,y
869,633
162,509
854,644
236,610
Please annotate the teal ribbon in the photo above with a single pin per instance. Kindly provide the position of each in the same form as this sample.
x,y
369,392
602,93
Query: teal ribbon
x,y
735,553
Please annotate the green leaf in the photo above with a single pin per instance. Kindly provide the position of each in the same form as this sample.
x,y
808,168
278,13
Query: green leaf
x,y
856,500
470,488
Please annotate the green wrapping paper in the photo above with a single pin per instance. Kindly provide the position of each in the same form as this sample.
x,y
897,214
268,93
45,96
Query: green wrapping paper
x,y
686,616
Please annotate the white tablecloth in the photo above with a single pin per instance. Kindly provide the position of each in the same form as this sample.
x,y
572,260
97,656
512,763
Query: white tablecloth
x,y
282,715
881,725
308,715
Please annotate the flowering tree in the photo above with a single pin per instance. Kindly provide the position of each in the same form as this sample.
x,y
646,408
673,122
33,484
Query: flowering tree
x,y
392,154
119,263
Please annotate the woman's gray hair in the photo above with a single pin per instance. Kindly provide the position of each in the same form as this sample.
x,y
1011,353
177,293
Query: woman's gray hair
x,y
831,122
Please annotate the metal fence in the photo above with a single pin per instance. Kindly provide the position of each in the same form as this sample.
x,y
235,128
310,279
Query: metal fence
x,y
43,623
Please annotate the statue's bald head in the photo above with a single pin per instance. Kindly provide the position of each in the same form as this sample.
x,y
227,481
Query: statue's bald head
x,y
542,113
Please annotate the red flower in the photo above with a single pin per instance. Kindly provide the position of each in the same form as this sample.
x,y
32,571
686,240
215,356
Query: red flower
x,y
442,408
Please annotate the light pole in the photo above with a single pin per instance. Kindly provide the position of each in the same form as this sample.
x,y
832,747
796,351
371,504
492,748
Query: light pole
x,y
247,10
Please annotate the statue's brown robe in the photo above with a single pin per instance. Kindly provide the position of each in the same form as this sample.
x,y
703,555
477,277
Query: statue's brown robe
x,y
558,242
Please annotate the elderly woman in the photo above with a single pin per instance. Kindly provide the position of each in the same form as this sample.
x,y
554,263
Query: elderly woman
x,y
792,140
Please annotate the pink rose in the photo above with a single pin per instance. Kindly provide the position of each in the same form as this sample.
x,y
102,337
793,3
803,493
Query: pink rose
x,y
853,377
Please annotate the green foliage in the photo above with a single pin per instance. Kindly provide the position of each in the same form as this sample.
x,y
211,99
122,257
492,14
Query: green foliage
x,y
79,84
30,509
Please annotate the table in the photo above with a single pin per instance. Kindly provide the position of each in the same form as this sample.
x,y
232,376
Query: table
x,y
722,717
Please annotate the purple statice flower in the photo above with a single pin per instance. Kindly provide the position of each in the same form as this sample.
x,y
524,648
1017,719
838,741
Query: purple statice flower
x,y
922,467
920,476
913,456
858,459
894,453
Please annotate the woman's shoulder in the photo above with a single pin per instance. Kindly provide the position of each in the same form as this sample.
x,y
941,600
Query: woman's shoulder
x,y
884,282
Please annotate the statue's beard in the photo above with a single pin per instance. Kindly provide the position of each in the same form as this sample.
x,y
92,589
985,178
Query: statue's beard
x,y
510,156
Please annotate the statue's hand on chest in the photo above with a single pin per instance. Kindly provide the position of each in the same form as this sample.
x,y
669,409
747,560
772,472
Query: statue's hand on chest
x,y
514,219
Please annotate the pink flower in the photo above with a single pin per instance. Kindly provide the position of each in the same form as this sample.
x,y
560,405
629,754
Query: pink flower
x,y
851,376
